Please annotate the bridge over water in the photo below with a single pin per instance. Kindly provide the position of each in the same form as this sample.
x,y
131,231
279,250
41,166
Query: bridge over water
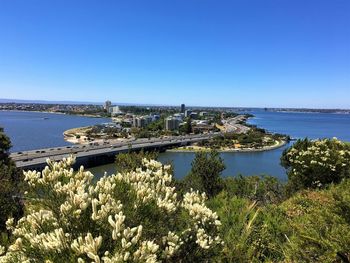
x,y
97,154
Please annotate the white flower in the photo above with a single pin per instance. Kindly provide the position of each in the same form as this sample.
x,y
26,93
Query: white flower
x,y
99,222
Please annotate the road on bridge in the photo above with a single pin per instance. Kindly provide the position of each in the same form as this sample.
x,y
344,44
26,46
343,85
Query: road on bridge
x,y
36,157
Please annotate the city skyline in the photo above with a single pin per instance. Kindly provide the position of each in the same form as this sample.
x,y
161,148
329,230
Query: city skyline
x,y
201,53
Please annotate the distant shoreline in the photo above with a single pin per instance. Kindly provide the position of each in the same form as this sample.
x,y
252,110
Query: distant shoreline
x,y
344,112
63,113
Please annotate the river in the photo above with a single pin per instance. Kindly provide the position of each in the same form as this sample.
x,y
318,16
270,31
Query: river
x,y
297,125
33,130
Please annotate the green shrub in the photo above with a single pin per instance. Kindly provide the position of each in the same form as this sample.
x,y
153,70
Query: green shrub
x,y
130,217
321,225
315,164
250,233
263,189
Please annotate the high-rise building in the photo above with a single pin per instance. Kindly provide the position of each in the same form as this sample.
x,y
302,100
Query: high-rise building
x,y
141,122
114,110
171,124
183,108
107,105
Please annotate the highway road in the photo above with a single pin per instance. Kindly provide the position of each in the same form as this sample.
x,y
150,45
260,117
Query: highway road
x,y
232,125
34,157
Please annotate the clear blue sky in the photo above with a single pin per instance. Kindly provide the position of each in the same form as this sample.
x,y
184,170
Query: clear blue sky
x,y
288,53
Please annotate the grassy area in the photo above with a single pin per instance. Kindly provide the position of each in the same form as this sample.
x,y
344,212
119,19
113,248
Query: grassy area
x,y
255,138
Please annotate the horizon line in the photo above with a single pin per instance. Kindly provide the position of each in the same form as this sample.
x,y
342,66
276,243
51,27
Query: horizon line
x,y
72,102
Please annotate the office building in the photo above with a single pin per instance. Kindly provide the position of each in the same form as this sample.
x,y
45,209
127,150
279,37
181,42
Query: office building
x,y
178,116
183,108
141,122
194,115
114,110
172,124
107,105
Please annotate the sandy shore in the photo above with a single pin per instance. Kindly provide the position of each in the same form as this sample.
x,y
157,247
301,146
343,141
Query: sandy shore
x,y
78,136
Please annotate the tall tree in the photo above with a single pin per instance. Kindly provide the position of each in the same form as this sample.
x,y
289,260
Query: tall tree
x,y
188,126
10,183
205,174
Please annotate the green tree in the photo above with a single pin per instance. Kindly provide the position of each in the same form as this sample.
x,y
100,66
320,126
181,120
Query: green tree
x,y
315,164
10,183
188,126
205,174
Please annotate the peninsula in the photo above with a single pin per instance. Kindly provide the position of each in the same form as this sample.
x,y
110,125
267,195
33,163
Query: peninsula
x,y
233,133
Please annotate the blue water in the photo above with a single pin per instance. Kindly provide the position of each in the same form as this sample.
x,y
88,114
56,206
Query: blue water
x,y
35,130
297,125
29,130
300,125
258,163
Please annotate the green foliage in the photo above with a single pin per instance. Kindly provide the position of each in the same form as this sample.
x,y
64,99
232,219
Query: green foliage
x,y
188,126
141,133
5,144
130,217
321,225
238,218
157,125
255,137
262,189
205,173
311,226
250,233
10,184
258,223
127,162
314,164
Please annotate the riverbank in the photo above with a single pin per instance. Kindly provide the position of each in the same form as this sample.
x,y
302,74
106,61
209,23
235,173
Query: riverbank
x,y
36,111
76,135
79,136
194,148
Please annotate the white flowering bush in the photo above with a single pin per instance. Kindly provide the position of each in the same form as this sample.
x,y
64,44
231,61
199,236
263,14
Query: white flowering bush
x,y
317,163
131,217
